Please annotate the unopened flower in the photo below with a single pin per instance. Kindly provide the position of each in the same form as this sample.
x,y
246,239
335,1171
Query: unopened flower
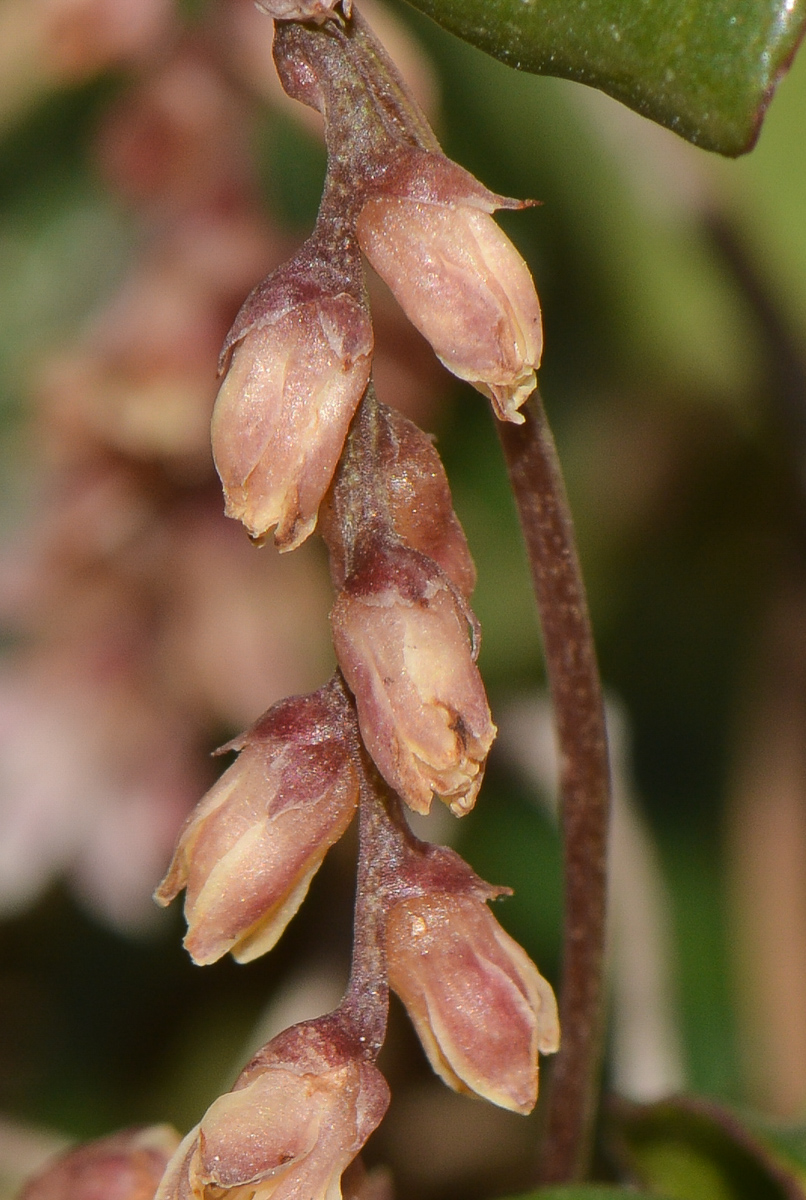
x,y
248,852
420,500
479,1005
283,411
463,284
413,490
125,1166
297,1116
401,638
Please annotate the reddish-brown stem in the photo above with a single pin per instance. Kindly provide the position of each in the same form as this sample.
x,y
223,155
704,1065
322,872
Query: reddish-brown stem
x,y
366,1001
573,676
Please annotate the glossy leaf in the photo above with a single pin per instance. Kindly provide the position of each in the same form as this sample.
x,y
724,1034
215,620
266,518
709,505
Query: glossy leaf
x,y
691,1149
705,68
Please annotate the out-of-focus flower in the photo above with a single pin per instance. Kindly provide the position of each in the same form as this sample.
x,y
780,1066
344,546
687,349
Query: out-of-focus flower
x,y
81,37
141,613
125,1166
463,284
250,849
401,638
479,1005
95,779
144,382
178,140
283,411
297,1116
219,657
360,1184
143,379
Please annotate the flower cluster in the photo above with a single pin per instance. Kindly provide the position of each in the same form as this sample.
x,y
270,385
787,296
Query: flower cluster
x,y
301,347
299,438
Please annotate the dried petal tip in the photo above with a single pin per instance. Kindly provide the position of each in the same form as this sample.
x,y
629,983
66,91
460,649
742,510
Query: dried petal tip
x,y
125,1166
251,847
401,637
463,284
289,1128
283,411
304,10
479,1005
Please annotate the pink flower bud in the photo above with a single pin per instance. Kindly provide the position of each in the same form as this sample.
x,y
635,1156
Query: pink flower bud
x,y
296,1118
283,411
409,473
420,501
479,1005
125,1166
250,849
463,284
401,636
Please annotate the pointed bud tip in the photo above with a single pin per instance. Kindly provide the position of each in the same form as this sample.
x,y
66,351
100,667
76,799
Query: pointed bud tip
x,y
401,638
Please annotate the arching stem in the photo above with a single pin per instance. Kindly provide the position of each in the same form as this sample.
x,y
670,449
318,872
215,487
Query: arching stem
x,y
573,677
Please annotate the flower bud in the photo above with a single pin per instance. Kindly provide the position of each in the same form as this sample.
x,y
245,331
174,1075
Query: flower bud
x,y
463,284
248,852
125,1166
297,1116
401,636
408,472
480,1007
283,411
420,500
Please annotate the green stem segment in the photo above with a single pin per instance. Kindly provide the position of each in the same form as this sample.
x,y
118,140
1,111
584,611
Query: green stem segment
x,y
573,676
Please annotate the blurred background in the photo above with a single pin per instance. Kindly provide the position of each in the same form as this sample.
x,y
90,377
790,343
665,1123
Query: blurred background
x,y
151,173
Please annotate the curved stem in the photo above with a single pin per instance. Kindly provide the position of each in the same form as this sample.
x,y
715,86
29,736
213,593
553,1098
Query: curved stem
x,y
573,676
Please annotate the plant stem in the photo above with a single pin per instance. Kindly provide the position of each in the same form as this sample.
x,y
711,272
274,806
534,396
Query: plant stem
x,y
537,482
366,1001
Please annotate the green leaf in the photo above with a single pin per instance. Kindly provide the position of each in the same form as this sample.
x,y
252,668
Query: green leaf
x,y
692,1149
705,68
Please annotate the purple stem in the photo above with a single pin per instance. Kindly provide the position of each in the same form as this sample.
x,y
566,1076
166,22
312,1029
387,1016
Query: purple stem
x,y
537,482
366,1001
